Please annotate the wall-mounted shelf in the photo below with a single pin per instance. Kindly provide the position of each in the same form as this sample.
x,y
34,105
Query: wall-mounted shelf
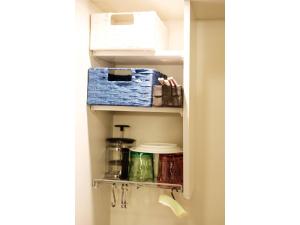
x,y
137,109
141,57
178,187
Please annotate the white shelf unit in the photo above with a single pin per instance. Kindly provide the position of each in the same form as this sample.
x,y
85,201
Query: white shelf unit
x,y
148,124
137,109
130,57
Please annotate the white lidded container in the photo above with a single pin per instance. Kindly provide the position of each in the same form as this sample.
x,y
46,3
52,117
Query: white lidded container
x,y
128,31
157,149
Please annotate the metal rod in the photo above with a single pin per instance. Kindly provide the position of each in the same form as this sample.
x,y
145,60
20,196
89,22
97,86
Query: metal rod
x,y
177,187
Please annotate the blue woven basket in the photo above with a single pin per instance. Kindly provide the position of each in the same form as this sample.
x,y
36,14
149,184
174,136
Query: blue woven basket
x,y
121,86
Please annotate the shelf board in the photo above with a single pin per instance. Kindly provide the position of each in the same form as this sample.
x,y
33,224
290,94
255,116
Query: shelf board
x,y
137,109
178,187
166,9
141,57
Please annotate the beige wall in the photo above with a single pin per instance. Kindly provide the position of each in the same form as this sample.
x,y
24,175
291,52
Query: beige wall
x,y
209,192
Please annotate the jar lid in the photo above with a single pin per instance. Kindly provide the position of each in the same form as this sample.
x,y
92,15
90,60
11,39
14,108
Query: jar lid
x,y
121,140
158,148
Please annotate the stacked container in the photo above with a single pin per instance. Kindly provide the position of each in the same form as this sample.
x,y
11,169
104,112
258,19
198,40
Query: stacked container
x,y
163,160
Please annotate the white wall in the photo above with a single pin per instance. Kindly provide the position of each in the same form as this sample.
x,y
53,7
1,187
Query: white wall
x,y
92,206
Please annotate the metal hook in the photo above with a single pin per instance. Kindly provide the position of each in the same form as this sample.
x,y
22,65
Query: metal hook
x,y
114,202
125,195
124,189
122,196
173,196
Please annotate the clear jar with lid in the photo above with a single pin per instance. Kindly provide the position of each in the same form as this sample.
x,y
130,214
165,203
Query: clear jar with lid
x,y
117,154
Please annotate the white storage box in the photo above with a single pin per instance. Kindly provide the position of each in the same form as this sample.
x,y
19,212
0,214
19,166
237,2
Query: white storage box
x,y
128,31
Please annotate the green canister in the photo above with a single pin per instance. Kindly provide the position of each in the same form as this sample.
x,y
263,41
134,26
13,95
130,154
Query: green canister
x,y
141,167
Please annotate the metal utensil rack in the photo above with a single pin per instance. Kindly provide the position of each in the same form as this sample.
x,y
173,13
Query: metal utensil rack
x,y
177,187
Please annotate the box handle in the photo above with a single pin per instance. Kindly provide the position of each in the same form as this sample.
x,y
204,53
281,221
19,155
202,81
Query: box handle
x,y
119,74
122,19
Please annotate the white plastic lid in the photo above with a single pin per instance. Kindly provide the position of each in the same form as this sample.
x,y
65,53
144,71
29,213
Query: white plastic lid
x,y
158,148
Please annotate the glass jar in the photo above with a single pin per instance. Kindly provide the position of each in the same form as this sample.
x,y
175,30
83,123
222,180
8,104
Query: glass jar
x,y
170,168
141,167
117,157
